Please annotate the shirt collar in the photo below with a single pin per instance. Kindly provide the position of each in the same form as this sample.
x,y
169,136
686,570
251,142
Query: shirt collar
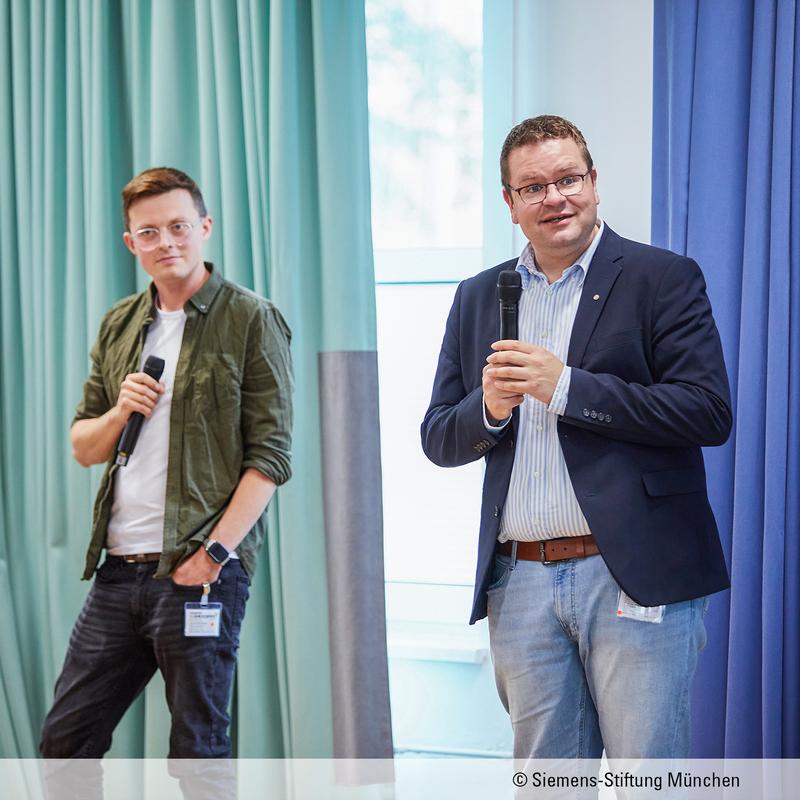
x,y
526,265
205,295
201,299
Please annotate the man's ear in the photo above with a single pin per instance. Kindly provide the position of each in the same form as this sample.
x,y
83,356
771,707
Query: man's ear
x,y
205,227
128,239
509,200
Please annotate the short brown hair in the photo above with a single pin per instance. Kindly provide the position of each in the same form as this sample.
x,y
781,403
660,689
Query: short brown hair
x,y
159,180
537,129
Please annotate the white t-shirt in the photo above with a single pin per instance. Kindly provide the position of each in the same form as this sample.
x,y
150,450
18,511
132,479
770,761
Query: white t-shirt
x,y
137,513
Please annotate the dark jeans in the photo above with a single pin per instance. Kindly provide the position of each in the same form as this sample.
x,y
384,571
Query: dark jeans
x,y
131,625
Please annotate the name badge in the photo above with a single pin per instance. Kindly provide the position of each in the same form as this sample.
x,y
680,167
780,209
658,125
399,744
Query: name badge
x,y
203,618
627,609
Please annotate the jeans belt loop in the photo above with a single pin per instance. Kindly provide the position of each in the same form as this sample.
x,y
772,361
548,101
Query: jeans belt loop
x,y
514,544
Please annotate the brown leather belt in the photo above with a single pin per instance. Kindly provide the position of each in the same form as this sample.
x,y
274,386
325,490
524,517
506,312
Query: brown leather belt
x,y
141,558
552,549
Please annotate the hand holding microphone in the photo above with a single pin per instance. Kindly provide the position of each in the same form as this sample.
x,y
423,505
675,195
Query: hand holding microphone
x,y
516,368
137,398
500,403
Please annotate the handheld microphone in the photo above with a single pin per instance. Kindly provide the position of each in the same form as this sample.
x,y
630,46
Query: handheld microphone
x,y
509,290
154,367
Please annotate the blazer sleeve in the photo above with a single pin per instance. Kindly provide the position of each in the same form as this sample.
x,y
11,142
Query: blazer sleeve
x,y
688,403
452,431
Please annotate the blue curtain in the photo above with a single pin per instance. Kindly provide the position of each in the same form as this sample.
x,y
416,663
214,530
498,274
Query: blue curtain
x,y
726,156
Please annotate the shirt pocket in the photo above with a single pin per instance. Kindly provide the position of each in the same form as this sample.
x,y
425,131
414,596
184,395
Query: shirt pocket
x,y
215,387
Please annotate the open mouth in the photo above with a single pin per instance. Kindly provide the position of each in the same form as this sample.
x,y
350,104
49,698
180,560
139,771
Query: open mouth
x,y
556,220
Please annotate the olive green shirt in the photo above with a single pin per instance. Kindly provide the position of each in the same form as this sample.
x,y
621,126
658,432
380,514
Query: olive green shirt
x,y
231,409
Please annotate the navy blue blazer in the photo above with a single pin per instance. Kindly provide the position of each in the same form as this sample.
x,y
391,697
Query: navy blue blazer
x,y
648,389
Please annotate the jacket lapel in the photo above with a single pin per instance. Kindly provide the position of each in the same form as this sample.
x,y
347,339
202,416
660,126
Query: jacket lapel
x,y
603,272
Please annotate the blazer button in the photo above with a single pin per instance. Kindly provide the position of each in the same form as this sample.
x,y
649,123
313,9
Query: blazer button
x,y
608,417
601,417
593,415
585,412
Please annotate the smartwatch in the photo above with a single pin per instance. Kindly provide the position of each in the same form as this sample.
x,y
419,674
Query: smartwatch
x,y
217,552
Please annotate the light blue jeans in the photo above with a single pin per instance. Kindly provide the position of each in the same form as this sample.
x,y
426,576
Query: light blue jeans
x,y
575,678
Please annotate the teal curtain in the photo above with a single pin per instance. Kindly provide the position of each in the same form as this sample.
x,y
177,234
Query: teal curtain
x,y
264,104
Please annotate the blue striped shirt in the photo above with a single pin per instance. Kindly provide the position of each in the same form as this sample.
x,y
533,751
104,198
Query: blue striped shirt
x,y
541,502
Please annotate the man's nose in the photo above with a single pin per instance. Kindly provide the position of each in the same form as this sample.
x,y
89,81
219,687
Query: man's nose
x,y
552,196
165,238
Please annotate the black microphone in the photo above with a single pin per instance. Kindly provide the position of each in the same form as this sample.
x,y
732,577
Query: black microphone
x,y
154,367
509,289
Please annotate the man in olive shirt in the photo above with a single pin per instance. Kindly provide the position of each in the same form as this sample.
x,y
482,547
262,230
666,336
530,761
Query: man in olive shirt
x,y
188,507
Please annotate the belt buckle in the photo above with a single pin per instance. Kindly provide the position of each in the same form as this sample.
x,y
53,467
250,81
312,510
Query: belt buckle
x,y
136,558
543,553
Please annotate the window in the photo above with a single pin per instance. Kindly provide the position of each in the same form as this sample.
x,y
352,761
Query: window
x,y
425,140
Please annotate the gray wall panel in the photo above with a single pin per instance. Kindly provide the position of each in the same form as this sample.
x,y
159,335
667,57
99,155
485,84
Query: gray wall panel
x,y
351,470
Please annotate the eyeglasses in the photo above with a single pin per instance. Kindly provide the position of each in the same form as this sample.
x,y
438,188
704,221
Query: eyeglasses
x,y
149,238
536,192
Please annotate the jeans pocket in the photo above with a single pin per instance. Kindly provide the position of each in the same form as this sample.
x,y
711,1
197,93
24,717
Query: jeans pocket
x,y
234,571
500,573
110,572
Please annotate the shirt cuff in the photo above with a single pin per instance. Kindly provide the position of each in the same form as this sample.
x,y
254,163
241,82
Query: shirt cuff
x,y
502,425
558,403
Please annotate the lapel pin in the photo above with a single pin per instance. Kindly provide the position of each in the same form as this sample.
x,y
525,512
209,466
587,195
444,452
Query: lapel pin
x,y
596,297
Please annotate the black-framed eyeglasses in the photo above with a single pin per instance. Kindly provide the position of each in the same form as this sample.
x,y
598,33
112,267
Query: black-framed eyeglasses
x,y
535,193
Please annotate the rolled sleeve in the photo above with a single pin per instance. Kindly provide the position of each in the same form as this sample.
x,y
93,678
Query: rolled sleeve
x,y
95,401
267,386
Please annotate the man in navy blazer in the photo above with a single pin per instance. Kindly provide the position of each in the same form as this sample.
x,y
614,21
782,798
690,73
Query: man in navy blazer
x,y
598,546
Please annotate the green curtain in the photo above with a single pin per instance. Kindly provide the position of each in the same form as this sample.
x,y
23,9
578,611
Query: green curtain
x,y
264,104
